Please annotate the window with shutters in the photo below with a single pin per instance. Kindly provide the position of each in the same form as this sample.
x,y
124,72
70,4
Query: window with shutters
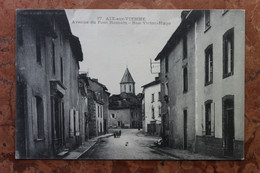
x,y
228,53
209,65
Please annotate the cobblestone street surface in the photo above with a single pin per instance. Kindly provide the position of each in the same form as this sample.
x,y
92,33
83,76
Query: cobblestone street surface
x,y
131,145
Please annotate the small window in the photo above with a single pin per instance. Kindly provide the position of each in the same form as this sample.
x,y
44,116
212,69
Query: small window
x,y
209,65
185,79
228,53
38,47
159,96
40,117
185,53
207,19
159,110
113,115
152,98
125,88
130,88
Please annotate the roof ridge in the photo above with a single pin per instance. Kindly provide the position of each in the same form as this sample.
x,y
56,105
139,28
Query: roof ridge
x,y
127,77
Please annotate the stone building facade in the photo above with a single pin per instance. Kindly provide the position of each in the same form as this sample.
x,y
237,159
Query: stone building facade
x,y
220,82
202,82
124,111
97,107
47,57
152,107
83,104
125,108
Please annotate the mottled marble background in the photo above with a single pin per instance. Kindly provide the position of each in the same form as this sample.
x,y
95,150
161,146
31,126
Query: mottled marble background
x,y
7,91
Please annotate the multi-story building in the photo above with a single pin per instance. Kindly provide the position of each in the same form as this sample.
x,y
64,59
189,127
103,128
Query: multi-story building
x,y
202,82
152,107
125,108
84,111
98,107
47,58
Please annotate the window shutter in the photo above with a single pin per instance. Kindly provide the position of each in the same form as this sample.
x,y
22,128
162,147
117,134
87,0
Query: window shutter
x,y
34,118
71,122
77,123
213,118
211,66
232,53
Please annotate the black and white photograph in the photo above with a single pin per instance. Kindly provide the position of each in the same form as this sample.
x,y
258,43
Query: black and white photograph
x,y
130,84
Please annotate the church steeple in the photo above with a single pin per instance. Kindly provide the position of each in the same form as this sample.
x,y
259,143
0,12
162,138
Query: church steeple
x,y
127,83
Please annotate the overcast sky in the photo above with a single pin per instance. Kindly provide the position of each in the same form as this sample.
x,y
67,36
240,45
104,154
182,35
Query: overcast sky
x,y
108,48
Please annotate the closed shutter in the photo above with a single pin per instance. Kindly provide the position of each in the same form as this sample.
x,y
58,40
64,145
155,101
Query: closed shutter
x,y
34,118
77,123
213,119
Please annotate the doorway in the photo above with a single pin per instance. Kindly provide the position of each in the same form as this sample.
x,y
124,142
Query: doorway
x,y
58,124
185,136
228,125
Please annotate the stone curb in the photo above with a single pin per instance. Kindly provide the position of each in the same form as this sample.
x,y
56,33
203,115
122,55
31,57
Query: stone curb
x,y
94,143
170,154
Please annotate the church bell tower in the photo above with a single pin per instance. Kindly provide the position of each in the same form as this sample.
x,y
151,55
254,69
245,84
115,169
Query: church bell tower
x,y
127,83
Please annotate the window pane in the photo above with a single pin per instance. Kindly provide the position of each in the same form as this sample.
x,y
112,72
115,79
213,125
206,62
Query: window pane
x,y
228,55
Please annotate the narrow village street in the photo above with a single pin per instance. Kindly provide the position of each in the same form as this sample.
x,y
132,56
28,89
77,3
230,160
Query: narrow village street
x,y
132,144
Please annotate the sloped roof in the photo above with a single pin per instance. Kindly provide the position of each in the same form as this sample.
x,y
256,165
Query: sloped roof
x,y
188,18
151,84
124,101
127,78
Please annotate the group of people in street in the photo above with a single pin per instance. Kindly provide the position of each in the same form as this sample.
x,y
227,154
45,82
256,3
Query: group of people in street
x,y
117,134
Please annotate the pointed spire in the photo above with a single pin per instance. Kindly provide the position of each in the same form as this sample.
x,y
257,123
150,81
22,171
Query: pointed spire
x,y
127,78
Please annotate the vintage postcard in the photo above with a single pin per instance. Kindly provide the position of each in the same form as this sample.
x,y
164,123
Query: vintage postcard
x,y
130,84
